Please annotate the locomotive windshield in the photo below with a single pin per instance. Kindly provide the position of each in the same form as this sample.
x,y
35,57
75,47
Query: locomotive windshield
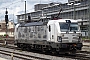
x,y
68,27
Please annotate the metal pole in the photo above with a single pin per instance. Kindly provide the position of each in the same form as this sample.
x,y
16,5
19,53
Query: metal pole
x,y
6,29
89,19
42,12
11,56
25,11
13,23
6,24
5,42
74,14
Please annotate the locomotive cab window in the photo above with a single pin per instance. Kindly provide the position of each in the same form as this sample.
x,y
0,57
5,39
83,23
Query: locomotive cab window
x,y
67,27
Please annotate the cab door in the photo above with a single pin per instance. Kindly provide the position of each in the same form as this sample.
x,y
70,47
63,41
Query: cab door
x,y
51,32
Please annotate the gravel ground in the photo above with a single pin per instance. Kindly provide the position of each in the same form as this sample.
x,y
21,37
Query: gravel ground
x,y
86,46
33,54
38,55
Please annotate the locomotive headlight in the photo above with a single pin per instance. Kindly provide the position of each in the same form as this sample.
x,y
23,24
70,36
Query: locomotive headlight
x,y
59,39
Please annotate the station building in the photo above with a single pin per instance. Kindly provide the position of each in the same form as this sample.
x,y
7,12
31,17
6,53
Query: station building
x,y
74,9
10,28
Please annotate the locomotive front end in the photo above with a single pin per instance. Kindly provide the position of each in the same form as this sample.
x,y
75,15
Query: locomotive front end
x,y
70,36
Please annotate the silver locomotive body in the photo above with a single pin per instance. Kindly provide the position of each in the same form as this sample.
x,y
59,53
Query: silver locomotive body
x,y
49,36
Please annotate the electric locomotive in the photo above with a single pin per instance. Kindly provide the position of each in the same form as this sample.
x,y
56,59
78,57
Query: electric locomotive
x,y
62,35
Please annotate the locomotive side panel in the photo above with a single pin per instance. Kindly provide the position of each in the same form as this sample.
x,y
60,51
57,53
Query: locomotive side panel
x,y
38,33
32,34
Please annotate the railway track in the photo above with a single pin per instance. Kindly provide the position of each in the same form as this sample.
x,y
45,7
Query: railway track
x,y
21,56
17,54
81,55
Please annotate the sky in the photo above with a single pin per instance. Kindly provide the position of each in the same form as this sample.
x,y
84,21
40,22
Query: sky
x,y
16,7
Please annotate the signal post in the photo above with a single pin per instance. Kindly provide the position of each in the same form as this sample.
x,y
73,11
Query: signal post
x,y
6,20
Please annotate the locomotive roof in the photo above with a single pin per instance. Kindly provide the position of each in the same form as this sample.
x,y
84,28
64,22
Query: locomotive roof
x,y
33,24
45,23
63,20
